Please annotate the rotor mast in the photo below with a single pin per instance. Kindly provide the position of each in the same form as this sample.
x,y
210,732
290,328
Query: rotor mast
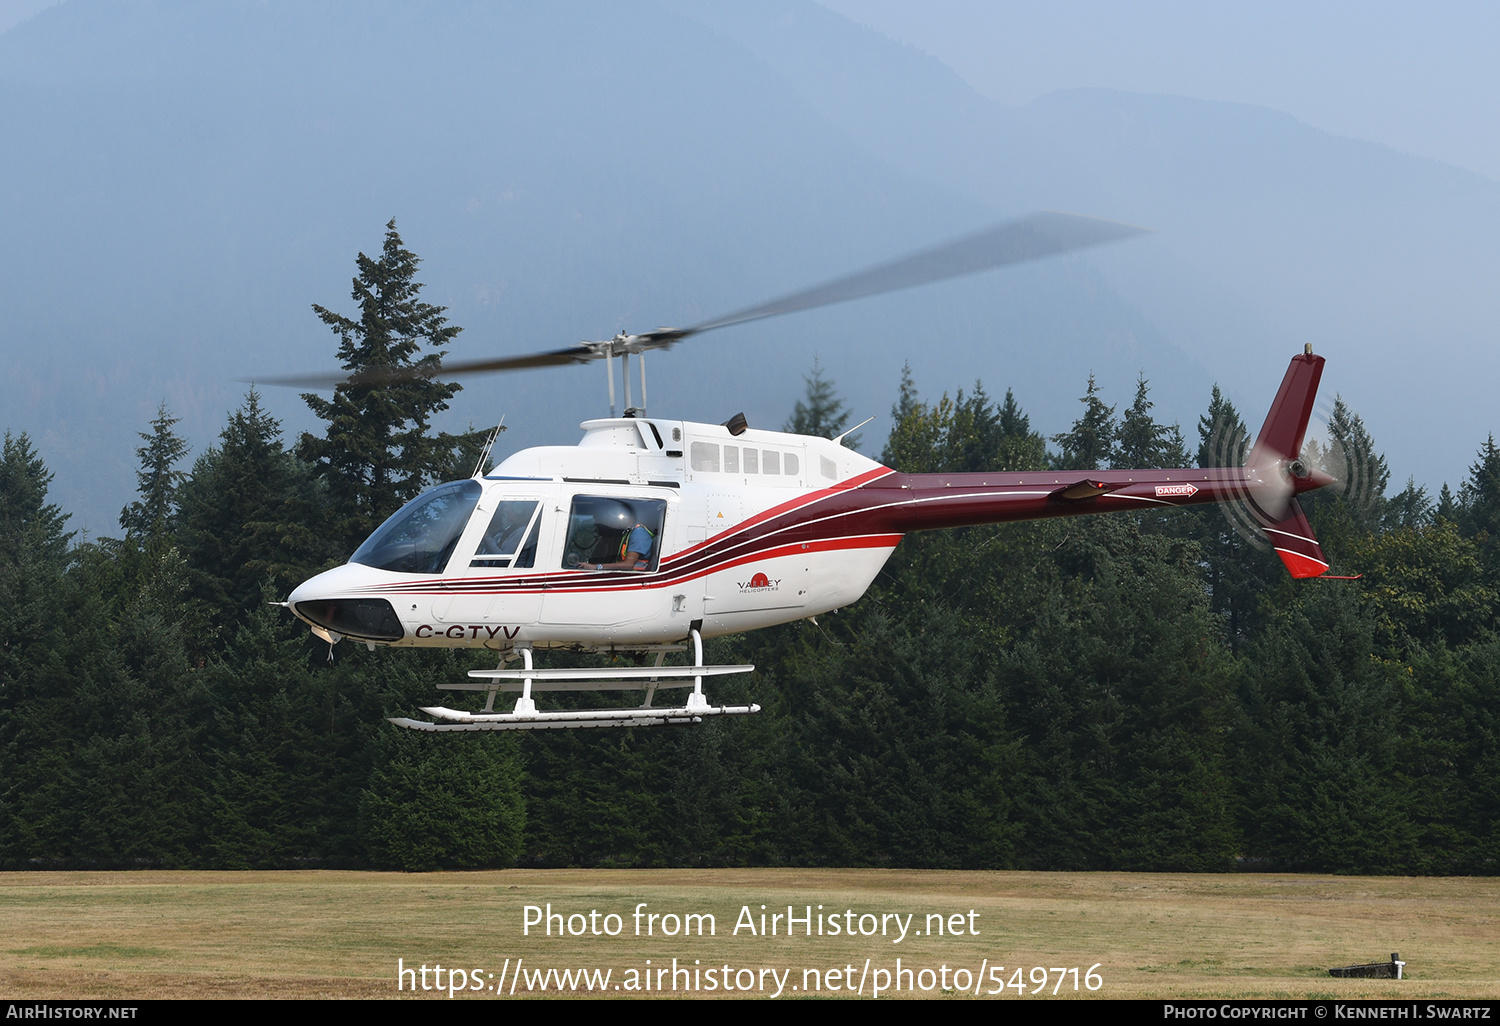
x,y
623,345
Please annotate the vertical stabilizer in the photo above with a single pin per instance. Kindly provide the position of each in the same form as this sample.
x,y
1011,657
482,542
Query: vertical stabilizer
x,y
1281,435
1275,462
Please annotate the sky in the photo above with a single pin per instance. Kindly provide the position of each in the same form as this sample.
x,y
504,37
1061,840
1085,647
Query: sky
x,y
1421,78
13,12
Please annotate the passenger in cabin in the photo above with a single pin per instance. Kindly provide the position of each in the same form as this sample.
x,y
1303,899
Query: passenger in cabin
x,y
612,519
504,534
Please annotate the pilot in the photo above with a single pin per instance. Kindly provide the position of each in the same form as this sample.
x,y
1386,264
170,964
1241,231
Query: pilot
x,y
635,539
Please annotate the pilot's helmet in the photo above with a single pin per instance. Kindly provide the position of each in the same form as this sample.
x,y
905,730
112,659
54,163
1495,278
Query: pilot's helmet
x,y
613,515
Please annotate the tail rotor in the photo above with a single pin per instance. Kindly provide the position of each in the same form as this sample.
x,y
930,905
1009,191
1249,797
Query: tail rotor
x,y
1263,506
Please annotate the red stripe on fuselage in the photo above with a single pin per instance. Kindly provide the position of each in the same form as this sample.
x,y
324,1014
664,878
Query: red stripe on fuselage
x,y
703,558
880,504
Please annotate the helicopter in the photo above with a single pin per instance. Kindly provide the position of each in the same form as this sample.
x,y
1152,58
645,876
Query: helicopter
x,y
650,534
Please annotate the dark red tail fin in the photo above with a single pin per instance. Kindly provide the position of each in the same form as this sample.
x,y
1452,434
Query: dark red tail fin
x,y
1281,435
1279,445
1293,539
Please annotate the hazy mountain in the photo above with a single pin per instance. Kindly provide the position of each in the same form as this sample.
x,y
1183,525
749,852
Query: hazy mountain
x,y
181,181
186,179
1271,233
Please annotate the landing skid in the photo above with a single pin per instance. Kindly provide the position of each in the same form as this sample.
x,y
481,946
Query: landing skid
x,y
526,716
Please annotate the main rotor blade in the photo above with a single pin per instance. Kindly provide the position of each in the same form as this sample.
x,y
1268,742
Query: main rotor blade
x,y
385,375
1030,238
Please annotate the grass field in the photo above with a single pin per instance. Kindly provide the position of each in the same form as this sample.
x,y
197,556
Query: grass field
x,y
335,934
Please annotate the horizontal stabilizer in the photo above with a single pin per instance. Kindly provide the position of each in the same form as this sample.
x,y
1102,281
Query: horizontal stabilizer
x,y
1087,489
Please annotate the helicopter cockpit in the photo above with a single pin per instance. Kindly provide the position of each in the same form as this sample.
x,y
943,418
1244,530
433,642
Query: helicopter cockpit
x,y
602,531
420,536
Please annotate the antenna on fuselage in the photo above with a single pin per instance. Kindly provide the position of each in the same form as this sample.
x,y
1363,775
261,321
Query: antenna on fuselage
x,y
839,440
484,454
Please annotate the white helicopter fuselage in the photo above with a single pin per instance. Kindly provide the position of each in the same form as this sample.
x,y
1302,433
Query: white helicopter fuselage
x,y
651,531
716,564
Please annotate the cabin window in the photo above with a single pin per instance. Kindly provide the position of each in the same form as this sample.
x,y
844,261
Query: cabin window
x,y
603,530
731,459
506,541
752,461
792,464
705,456
771,460
420,536
829,468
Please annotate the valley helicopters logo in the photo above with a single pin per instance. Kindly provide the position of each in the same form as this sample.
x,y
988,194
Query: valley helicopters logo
x,y
1183,489
759,582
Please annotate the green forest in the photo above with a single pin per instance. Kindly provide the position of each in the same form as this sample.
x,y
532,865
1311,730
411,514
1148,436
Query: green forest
x,y
1131,692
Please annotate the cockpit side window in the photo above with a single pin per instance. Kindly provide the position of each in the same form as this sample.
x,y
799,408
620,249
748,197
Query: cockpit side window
x,y
603,530
420,536
506,541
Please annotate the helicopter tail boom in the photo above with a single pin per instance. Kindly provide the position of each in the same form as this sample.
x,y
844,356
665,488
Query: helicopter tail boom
x,y
1266,487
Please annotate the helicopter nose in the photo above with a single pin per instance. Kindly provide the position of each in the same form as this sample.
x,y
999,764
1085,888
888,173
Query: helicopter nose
x,y
325,602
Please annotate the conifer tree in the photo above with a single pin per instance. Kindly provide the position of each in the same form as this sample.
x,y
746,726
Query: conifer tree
x,y
154,514
376,452
1238,572
1349,514
1223,439
822,413
1318,741
33,550
1020,447
230,508
916,431
1366,472
1092,440
1142,442
1479,496
1447,507
27,520
1410,508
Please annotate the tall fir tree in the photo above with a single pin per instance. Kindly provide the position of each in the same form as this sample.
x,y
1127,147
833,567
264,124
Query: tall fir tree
x,y
821,412
1479,496
1091,442
1348,515
1367,474
916,431
153,516
1237,559
1411,507
28,522
1142,442
1020,447
33,633
376,451
238,513
1447,507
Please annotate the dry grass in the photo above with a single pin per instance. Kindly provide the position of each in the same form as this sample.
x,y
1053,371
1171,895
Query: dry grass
x,y
332,934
